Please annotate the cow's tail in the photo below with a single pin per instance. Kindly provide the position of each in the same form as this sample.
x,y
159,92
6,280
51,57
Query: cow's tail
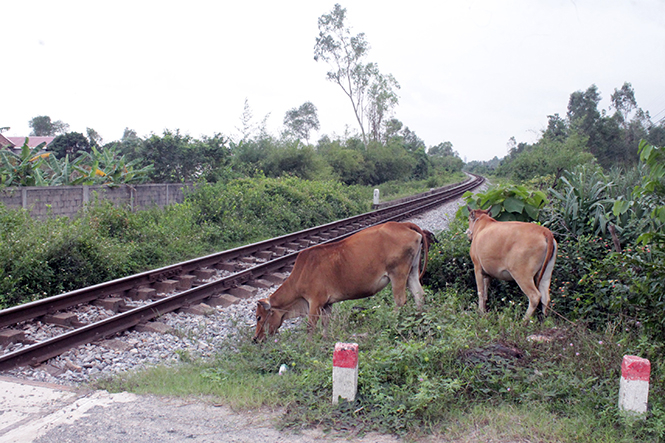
x,y
551,249
425,245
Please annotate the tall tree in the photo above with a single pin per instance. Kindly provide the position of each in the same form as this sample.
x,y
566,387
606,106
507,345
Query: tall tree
x,y
441,150
345,54
623,100
42,126
371,94
300,121
583,109
71,143
94,137
557,128
382,99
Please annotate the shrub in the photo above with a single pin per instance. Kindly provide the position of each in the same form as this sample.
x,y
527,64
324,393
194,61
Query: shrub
x,y
45,258
508,203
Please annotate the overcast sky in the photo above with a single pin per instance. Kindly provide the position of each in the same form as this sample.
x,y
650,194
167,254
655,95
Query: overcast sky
x,y
474,73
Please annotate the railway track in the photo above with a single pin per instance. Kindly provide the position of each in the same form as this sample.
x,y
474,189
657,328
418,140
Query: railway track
x,y
96,312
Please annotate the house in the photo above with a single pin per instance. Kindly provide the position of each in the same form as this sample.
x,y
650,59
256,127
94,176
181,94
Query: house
x,y
15,143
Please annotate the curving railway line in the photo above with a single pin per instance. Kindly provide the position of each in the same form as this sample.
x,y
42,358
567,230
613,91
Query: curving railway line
x,y
96,312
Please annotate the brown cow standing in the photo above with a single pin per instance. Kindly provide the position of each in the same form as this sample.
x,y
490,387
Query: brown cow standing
x,y
356,267
523,252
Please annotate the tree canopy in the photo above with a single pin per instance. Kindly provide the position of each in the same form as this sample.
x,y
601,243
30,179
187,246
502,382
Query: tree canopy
x,y
42,126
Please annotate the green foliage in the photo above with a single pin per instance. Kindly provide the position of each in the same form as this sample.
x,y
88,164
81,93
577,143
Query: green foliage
x,y
265,207
294,159
300,121
508,203
45,258
450,266
593,280
582,204
71,143
109,167
22,169
547,156
33,168
652,189
180,158
609,137
43,126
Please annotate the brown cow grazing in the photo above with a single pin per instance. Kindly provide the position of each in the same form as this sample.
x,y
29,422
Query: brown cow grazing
x,y
356,267
523,252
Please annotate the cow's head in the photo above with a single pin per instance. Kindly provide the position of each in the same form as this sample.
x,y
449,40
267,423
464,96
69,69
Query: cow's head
x,y
267,318
474,215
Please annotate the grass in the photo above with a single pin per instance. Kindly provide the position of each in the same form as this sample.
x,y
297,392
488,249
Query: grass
x,y
447,371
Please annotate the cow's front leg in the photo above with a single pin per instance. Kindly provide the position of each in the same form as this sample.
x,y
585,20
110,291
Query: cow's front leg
x,y
315,311
482,282
326,310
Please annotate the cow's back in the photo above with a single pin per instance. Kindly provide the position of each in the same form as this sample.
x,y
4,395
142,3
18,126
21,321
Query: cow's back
x,y
354,267
504,246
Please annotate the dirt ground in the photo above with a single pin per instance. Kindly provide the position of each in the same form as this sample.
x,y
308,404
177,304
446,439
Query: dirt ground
x,y
150,419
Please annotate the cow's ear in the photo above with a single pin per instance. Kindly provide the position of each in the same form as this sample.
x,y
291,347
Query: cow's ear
x,y
265,304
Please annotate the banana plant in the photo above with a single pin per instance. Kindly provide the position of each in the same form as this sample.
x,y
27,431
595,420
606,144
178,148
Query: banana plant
x,y
583,202
24,168
111,168
65,172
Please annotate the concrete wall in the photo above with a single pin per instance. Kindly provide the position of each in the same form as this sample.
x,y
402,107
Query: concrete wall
x,y
54,201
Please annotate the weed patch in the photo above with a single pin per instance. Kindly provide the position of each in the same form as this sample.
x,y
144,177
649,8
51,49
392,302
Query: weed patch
x,y
447,370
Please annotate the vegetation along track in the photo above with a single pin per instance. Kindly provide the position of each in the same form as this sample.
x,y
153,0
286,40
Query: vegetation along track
x,y
82,316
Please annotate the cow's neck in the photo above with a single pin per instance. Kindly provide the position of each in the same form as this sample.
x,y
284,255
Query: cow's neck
x,y
283,296
483,221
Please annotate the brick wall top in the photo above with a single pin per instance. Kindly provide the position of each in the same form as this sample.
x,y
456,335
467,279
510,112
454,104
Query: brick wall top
x,y
54,201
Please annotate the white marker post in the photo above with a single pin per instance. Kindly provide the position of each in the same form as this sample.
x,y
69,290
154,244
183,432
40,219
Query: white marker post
x,y
634,386
376,197
345,371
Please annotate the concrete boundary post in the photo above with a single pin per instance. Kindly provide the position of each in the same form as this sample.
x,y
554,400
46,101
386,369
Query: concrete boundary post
x,y
634,385
345,371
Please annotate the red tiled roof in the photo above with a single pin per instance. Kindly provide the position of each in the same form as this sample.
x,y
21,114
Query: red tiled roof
x,y
5,142
33,141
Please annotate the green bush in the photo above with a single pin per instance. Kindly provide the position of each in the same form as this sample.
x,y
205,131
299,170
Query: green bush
x,y
267,207
508,203
45,258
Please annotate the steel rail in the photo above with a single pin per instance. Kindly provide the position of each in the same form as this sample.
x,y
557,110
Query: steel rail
x,y
42,351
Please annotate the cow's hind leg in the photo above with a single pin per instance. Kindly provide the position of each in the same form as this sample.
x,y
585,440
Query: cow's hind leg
x,y
415,287
413,281
527,286
544,286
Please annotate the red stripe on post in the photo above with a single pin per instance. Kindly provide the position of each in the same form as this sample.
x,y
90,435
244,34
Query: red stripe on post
x,y
635,368
345,355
